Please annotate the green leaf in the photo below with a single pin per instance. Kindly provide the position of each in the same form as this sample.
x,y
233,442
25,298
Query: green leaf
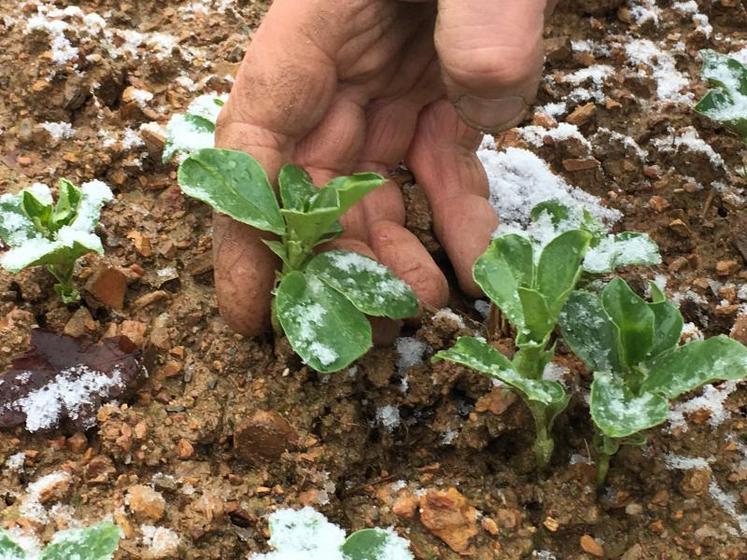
x,y
92,543
557,211
45,252
726,102
688,367
375,544
234,184
368,285
343,192
633,319
538,322
668,325
476,354
296,187
618,413
589,332
65,210
10,550
40,212
15,225
278,248
192,131
623,249
322,326
506,265
560,267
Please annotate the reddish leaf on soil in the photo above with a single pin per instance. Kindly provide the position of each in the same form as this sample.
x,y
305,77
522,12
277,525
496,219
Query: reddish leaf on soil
x,y
63,381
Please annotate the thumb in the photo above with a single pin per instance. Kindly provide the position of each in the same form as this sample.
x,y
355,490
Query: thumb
x,y
491,55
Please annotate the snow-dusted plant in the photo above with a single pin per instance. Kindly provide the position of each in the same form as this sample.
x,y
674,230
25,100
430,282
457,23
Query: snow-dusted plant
x,y
41,232
529,278
633,348
98,542
306,534
726,102
320,300
193,130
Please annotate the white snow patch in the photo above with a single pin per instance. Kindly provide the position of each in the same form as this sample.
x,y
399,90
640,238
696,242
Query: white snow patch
x,y
388,417
160,541
58,130
669,80
31,508
535,135
519,180
15,462
688,139
712,399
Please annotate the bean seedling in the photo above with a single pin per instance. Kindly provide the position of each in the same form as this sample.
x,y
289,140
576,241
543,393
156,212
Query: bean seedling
x,y
41,232
320,300
633,348
727,101
91,543
306,533
530,279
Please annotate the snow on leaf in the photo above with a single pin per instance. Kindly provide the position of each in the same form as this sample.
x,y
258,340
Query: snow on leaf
x,y
727,101
61,382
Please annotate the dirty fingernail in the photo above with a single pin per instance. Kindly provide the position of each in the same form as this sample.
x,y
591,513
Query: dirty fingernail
x,y
491,115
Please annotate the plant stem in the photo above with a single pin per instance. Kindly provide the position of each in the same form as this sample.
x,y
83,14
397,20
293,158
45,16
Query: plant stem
x,y
603,466
543,442
65,287
530,362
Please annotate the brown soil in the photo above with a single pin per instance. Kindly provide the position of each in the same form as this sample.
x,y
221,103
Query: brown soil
x,y
228,429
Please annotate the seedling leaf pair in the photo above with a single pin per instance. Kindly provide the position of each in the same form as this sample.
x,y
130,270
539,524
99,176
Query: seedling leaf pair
x,y
321,300
632,346
91,543
40,232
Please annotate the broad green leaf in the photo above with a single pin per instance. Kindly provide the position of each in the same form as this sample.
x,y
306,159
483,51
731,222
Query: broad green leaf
x,y
557,211
538,321
375,544
296,187
322,326
657,295
10,550
559,268
727,101
476,354
623,249
92,543
618,413
633,319
15,226
69,246
313,225
233,183
668,325
506,265
588,331
368,285
688,367
65,210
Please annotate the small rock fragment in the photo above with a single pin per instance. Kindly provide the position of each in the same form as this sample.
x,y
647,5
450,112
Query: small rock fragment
x,y
591,546
264,436
108,285
145,503
448,515
726,268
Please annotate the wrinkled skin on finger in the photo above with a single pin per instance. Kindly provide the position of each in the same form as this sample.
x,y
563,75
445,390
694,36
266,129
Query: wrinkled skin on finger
x,y
362,85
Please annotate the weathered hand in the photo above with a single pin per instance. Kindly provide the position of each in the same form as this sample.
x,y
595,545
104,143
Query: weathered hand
x,y
360,85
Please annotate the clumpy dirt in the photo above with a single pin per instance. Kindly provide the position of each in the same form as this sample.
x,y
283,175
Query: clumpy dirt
x,y
225,430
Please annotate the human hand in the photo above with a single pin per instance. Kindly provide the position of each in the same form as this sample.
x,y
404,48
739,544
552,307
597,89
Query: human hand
x,y
360,85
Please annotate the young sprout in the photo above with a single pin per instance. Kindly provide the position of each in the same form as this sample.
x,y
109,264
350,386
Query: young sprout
x,y
42,232
727,101
91,543
633,348
320,300
306,533
529,278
